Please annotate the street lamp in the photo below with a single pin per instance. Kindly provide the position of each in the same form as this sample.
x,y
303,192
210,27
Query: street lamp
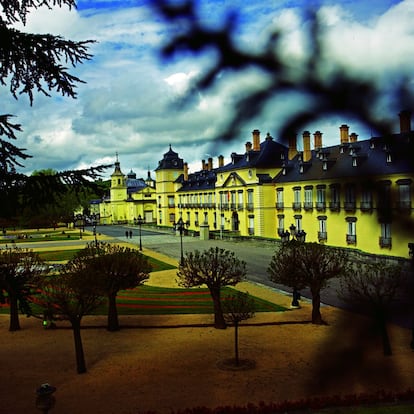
x,y
180,226
140,220
94,233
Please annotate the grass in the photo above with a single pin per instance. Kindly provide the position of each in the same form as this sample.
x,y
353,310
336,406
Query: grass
x,y
152,300
386,409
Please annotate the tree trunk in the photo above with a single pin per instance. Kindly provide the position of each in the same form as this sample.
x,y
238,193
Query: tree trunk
x,y
14,314
316,308
113,324
219,322
80,356
236,342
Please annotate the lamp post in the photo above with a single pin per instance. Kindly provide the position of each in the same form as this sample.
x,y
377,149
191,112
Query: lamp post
x,y
94,233
180,225
140,220
299,236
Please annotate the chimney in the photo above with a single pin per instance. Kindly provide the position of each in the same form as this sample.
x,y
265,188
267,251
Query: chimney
x,y
248,146
256,140
185,171
292,147
220,161
317,139
353,137
344,133
203,164
210,164
405,121
307,154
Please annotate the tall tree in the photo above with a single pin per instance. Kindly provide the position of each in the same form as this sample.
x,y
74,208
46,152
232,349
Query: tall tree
x,y
34,62
374,287
299,265
215,268
19,271
115,268
72,294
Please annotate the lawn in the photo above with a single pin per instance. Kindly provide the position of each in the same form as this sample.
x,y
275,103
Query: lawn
x,y
152,300
64,255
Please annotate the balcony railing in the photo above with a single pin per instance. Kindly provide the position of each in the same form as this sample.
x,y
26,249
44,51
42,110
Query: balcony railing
x,y
404,206
280,205
334,206
385,242
349,205
308,205
240,206
296,206
366,206
320,205
351,239
251,231
249,207
322,236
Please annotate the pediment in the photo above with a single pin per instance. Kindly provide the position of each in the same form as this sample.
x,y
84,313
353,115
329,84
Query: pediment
x,y
233,180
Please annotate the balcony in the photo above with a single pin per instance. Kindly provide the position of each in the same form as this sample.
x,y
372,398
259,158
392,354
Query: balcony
x,y
385,242
366,206
322,236
251,231
350,206
296,206
320,205
239,206
351,238
280,205
404,206
334,205
249,207
308,205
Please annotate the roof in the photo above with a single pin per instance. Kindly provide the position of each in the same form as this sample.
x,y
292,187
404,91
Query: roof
x,y
170,161
367,158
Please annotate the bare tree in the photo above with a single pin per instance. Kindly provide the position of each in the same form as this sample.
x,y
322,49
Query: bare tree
x,y
214,268
299,265
19,269
115,268
374,287
72,294
236,308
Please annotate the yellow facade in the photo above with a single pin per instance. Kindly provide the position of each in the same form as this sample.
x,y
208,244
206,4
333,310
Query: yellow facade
x,y
357,194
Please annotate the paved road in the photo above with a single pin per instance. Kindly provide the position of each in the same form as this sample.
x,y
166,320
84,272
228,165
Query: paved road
x,y
256,254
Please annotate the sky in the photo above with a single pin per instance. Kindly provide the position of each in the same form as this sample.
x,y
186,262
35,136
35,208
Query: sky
x,y
130,103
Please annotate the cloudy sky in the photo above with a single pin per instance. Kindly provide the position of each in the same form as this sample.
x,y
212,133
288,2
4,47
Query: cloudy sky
x,y
130,103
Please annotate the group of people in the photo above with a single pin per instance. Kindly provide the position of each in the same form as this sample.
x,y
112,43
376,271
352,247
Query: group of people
x,y
128,234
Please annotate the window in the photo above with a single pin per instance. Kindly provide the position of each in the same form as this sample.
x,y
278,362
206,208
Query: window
x,y
308,203
279,198
205,217
384,201
280,224
171,201
351,233
322,233
385,238
335,197
350,202
250,203
366,199
172,217
404,195
240,200
298,222
296,199
320,197
196,223
233,195
251,225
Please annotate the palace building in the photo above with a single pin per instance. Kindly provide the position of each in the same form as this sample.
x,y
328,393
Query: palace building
x,y
356,194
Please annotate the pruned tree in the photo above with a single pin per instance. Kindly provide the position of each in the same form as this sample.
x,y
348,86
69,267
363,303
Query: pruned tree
x,y
237,308
299,265
72,294
214,268
34,62
19,272
115,268
373,287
